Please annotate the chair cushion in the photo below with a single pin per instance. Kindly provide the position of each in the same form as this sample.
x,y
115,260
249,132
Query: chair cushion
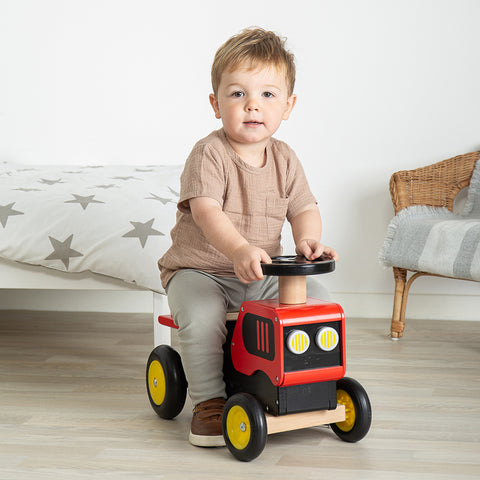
x,y
472,205
435,240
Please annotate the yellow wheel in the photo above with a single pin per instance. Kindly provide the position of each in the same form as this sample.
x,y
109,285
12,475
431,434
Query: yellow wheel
x,y
244,427
156,382
358,411
344,398
166,383
239,429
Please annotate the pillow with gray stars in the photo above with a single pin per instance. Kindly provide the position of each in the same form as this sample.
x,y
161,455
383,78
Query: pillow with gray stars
x,y
112,220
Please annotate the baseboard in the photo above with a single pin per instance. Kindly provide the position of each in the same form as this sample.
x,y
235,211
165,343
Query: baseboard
x,y
355,305
419,306
128,301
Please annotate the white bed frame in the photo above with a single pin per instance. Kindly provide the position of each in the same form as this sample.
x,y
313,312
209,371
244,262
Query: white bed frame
x,y
14,275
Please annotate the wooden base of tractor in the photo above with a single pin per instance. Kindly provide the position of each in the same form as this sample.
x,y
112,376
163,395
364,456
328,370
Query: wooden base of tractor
x,y
296,421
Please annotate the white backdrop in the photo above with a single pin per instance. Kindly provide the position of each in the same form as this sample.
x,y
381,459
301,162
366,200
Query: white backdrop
x,y
382,85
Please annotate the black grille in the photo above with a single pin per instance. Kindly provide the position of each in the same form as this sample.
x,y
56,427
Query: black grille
x,y
314,357
258,336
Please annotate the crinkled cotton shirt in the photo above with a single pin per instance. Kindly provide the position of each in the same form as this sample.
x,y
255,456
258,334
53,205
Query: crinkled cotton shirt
x,y
256,200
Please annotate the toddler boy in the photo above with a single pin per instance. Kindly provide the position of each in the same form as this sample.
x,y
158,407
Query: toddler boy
x,y
238,186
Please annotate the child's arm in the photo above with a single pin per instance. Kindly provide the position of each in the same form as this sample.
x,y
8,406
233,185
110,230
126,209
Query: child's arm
x,y
307,230
221,233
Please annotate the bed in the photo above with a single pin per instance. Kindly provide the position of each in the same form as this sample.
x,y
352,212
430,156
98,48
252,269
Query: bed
x,y
87,227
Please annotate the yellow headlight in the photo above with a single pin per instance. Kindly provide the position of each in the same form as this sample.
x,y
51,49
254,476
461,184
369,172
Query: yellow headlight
x,y
327,339
298,341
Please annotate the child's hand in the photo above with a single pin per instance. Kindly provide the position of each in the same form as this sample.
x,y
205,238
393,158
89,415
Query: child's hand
x,y
246,263
312,249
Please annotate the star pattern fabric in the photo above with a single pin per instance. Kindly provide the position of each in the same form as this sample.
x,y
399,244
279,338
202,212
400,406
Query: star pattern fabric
x,y
84,201
142,231
111,185
173,192
62,251
46,181
42,223
160,199
7,211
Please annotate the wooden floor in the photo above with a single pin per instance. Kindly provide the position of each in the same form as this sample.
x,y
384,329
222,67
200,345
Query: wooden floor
x,y
73,406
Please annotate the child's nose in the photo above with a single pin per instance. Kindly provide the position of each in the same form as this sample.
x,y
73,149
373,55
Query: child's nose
x,y
252,106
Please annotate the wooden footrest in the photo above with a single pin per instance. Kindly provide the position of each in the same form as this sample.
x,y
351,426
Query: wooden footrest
x,y
295,421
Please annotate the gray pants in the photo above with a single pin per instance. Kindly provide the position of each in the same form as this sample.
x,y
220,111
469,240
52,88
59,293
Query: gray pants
x,y
198,302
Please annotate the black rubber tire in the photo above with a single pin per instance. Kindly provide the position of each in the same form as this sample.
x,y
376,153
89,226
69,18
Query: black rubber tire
x,y
166,383
244,427
358,411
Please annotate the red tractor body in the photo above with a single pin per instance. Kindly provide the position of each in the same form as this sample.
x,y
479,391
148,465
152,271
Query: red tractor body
x,y
260,341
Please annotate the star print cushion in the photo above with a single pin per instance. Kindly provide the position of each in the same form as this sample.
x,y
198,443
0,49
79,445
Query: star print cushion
x,y
111,220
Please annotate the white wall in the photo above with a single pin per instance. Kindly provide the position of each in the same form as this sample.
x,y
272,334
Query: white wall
x,y
382,86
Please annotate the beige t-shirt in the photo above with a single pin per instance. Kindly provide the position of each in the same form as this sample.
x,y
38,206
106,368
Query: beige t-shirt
x,y
256,200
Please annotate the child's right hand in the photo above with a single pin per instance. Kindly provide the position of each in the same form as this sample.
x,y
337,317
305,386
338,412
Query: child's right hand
x,y
246,262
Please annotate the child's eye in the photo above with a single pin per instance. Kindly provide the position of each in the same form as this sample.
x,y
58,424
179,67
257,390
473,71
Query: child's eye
x,y
268,94
238,94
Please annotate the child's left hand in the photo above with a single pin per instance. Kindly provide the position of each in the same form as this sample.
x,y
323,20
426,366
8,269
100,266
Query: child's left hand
x,y
312,249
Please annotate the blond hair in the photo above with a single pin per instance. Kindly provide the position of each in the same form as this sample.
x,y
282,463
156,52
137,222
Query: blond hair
x,y
251,48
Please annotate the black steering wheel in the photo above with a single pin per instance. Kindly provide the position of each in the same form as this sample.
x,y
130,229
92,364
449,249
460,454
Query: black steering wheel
x,y
296,265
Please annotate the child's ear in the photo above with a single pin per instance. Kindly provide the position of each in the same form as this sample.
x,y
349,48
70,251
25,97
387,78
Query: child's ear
x,y
214,104
291,101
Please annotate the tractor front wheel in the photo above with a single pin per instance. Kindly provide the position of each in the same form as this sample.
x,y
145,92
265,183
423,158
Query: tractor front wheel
x,y
358,411
244,427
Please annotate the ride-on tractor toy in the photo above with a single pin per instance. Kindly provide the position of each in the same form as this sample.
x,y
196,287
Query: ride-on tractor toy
x,y
284,367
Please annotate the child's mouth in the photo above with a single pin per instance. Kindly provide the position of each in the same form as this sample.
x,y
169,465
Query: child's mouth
x,y
253,124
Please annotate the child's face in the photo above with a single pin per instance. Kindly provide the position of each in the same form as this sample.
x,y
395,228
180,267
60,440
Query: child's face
x,y
252,104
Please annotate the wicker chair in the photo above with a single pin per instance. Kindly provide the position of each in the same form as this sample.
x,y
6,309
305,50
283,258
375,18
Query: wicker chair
x,y
435,185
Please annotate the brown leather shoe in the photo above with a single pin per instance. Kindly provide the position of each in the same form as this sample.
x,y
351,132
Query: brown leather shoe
x,y
206,428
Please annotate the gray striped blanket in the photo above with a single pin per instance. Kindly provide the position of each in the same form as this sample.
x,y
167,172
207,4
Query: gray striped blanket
x,y
435,240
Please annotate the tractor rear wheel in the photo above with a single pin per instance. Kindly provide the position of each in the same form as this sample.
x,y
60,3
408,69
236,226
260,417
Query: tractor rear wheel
x,y
166,383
